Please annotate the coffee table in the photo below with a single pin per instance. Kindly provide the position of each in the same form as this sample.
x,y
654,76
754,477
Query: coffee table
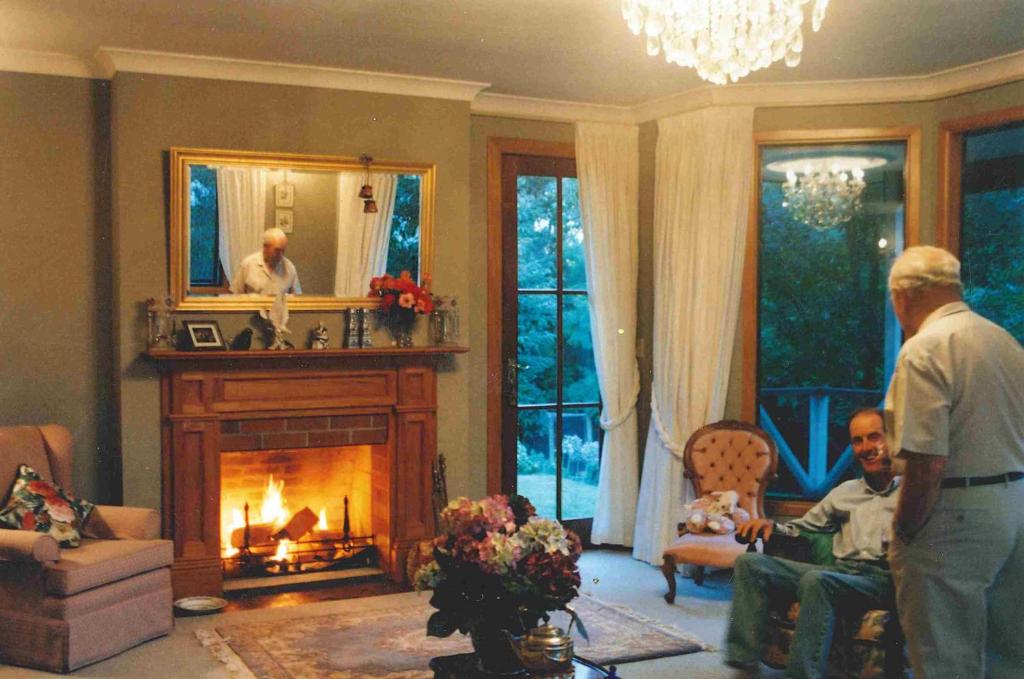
x,y
463,666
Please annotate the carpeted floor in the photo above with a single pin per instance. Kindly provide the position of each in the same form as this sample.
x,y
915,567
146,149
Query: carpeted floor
x,y
390,643
612,577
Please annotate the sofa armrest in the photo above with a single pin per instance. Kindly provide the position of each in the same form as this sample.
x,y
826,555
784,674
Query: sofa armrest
x,y
27,545
110,522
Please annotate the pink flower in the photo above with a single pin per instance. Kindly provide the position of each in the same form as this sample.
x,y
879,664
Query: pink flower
x,y
60,510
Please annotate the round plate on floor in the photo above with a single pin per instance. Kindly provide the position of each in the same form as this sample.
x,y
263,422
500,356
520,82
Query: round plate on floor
x,y
200,605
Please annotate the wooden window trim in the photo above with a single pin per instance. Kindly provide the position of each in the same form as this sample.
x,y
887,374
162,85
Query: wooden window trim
x,y
497,148
911,224
947,234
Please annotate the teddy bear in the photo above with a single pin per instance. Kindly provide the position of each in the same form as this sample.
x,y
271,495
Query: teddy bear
x,y
717,512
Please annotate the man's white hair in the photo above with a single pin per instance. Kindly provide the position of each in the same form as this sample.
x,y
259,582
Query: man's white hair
x,y
924,266
275,235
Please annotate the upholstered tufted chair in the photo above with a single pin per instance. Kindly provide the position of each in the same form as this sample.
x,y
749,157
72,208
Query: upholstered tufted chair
x,y
726,455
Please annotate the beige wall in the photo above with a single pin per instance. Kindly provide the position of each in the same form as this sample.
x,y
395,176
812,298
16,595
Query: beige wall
x,y
150,114
55,275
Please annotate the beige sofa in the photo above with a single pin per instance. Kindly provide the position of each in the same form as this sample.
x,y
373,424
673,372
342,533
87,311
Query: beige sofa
x,y
61,609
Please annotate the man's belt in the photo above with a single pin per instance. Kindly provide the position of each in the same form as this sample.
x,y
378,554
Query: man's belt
x,y
968,481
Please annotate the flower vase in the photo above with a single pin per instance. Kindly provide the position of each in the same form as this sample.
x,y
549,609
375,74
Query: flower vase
x,y
493,650
402,334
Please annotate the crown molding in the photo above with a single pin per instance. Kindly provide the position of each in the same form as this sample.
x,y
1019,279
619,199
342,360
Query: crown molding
x,y
948,83
110,60
114,60
47,63
509,106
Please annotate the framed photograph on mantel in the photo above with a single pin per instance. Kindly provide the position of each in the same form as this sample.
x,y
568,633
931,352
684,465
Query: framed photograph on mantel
x,y
284,195
204,335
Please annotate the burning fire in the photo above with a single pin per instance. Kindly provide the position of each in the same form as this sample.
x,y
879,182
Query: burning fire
x,y
273,511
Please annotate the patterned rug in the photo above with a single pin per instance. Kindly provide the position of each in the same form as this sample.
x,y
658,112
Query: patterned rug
x,y
391,643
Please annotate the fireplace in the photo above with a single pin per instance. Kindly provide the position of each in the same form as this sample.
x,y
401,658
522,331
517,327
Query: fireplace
x,y
302,509
309,428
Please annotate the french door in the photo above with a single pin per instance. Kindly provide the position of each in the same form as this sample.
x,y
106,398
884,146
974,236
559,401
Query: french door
x,y
551,437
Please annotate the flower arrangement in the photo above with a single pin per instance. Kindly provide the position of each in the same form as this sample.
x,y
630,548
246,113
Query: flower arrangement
x,y
400,298
497,563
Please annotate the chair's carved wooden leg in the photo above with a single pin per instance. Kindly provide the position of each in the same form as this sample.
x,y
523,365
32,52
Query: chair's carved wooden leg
x,y
668,569
698,576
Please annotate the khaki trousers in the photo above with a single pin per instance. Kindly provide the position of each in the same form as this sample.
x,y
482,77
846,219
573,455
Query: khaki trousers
x,y
960,585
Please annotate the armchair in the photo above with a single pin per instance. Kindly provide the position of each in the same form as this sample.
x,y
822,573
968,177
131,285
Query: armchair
x,y
865,643
61,609
725,455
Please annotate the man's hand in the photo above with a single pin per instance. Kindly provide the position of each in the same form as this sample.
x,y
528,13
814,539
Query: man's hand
x,y
756,528
918,495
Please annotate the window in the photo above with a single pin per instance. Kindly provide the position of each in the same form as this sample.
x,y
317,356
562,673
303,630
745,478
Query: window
x,y
831,217
988,172
558,399
204,253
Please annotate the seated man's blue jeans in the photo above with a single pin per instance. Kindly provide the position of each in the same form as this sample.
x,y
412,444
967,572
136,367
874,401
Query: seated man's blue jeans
x,y
848,586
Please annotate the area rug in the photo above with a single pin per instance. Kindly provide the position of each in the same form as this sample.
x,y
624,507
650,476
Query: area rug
x,y
391,643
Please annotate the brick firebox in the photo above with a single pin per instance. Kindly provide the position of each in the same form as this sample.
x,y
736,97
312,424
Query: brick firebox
x,y
385,398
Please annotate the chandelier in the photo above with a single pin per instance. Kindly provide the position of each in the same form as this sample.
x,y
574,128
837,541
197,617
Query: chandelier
x,y
723,39
824,192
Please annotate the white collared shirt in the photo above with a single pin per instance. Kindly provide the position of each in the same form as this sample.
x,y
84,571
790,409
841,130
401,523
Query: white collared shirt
x,y
252,277
958,391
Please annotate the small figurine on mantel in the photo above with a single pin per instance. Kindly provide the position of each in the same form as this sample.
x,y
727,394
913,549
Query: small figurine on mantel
x,y
318,336
276,325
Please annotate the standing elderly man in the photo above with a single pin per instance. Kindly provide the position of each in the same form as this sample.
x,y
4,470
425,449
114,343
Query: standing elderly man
x,y
956,402
859,512
268,272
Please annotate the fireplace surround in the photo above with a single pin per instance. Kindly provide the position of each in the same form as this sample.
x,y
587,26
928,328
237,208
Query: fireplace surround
x,y
224,402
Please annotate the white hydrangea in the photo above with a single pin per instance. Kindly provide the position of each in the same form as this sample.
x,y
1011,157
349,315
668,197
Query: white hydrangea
x,y
542,535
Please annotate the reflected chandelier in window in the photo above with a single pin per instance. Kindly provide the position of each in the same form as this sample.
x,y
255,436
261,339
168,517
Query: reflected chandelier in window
x,y
723,40
824,192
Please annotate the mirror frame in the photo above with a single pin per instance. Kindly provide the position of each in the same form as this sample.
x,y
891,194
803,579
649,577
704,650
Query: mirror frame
x,y
181,158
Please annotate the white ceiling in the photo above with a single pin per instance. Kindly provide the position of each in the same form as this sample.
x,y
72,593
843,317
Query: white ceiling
x,y
568,50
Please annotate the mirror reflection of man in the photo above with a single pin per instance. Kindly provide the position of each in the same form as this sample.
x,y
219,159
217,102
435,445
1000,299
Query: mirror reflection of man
x,y
268,272
860,513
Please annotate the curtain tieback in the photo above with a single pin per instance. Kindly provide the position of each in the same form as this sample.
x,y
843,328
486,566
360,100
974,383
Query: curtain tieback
x,y
659,426
609,423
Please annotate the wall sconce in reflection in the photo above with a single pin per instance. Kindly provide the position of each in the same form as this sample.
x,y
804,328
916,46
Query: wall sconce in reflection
x,y
366,192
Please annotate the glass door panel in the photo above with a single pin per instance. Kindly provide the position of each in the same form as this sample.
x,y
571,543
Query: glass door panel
x,y
551,372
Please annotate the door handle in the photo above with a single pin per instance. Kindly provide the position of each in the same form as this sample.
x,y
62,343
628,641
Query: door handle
x,y
512,368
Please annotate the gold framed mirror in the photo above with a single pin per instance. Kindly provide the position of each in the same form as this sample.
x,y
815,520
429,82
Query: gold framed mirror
x,y
344,219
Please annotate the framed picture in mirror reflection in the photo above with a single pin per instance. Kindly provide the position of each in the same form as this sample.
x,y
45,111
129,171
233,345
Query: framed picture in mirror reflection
x,y
284,195
284,220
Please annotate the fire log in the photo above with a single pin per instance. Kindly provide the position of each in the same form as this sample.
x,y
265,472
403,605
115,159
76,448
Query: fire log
x,y
297,526
259,534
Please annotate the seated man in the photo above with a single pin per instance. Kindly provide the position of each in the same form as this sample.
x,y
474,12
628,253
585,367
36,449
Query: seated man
x,y
267,272
860,512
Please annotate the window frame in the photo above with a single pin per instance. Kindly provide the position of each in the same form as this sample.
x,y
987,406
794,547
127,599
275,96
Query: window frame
x,y
911,136
497,148
951,132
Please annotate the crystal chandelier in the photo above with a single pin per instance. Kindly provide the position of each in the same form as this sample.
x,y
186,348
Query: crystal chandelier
x,y
723,39
825,194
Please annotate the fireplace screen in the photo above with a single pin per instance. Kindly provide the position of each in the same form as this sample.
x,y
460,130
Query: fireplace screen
x,y
296,511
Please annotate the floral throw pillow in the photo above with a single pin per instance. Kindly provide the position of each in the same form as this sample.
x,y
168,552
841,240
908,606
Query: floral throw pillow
x,y
44,507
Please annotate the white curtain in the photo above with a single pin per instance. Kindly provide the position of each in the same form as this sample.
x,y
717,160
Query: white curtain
x,y
241,213
607,163
703,166
362,238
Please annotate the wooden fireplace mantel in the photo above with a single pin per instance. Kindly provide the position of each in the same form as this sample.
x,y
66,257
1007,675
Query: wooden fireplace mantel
x,y
199,391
